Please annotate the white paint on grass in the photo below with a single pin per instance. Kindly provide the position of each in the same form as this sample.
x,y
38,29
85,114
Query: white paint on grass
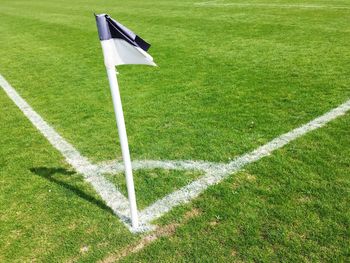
x,y
216,172
113,166
213,172
113,198
268,5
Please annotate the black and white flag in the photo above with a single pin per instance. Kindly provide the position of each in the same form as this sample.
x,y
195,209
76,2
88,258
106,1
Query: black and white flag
x,y
120,45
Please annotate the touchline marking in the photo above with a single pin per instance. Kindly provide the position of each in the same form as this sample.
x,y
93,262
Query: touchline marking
x,y
213,172
216,172
113,198
272,5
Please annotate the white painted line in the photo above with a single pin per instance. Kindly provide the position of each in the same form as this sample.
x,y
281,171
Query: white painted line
x,y
214,172
113,198
217,174
113,166
268,5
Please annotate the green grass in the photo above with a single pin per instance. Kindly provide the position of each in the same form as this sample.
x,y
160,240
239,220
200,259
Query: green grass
x,y
48,213
291,207
230,78
154,184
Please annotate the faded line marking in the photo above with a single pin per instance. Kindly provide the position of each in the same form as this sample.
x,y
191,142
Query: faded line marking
x,y
271,5
113,198
163,231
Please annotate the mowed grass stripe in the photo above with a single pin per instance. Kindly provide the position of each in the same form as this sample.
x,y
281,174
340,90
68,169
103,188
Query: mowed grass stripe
x,y
213,175
200,103
277,68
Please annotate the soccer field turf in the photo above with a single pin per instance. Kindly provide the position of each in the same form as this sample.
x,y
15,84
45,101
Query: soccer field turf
x,y
232,76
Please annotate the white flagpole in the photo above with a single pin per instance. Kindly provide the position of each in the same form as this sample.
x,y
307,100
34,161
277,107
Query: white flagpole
x,y
118,110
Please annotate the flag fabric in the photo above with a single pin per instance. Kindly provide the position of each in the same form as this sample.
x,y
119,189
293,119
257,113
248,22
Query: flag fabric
x,y
120,45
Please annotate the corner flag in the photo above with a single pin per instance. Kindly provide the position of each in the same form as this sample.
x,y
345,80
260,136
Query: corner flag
x,y
121,46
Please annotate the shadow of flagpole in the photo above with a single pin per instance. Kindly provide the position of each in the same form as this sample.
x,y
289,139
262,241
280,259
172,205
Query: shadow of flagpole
x,y
48,174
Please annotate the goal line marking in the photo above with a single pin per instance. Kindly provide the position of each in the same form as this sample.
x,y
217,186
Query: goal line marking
x,y
108,192
213,172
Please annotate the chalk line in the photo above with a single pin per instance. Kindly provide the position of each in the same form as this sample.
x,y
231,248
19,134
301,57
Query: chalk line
x,y
216,172
113,198
213,172
113,166
268,5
